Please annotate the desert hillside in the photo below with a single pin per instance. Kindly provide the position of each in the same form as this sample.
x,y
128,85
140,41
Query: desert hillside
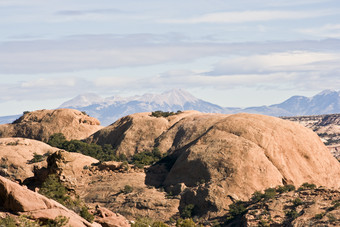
x,y
41,124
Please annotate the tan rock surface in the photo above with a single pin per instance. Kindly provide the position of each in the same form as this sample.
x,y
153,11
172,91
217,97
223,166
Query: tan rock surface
x,y
15,156
135,133
242,153
15,198
41,124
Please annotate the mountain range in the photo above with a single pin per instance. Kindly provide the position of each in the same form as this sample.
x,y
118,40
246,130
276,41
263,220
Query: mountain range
x,y
108,110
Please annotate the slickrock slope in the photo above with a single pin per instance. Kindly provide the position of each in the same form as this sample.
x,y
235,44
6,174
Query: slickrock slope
x,y
16,155
41,124
215,159
16,199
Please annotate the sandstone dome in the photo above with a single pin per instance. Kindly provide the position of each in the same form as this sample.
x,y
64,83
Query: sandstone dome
x,y
41,124
215,158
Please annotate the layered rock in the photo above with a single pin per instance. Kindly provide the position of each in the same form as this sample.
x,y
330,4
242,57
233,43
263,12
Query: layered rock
x,y
41,124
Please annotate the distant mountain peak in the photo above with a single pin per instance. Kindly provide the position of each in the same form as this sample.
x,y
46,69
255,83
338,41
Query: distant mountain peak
x,y
327,92
81,100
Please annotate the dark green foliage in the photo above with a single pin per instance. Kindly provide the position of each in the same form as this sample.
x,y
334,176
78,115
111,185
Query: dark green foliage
x,y
307,186
187,211
57,222
319,216
285,188
269,193
188,222
256,197
147,158
127,189
297,202
292,214
160,113
36,158
237,208
53,189
102,153
84,212
57,140
8,221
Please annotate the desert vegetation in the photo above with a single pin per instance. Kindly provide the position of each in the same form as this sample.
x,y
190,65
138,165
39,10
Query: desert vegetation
x,y
160,113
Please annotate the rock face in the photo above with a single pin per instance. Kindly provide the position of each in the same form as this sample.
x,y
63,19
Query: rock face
x,y
41,124
220,158
17,157
15,198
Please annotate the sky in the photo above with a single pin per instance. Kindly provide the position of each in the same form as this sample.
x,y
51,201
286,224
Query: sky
x,y
232,53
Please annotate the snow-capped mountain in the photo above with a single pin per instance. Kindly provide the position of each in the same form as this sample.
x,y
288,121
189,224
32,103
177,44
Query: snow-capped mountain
x,y
110,109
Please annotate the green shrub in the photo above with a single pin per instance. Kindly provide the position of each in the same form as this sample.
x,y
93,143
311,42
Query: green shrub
x,y
147,158
285,188
36,158
188,222
319,216
269,193
57,222
307,186
187,211
256,196
237,208
297,202
54,189
127,189
84,212
292,214
8,221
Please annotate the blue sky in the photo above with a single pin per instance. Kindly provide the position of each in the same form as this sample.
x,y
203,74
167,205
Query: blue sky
x,y
241,53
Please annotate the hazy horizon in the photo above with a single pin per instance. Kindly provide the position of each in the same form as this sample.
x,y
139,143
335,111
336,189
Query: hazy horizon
x,y
240,54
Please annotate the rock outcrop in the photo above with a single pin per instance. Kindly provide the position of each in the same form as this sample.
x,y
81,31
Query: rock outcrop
x,y
41,124
135,133
16,199
19,157
215,159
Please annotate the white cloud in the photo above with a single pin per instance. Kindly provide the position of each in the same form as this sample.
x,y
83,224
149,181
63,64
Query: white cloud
x,y
251,16
326,31
294,61
113,51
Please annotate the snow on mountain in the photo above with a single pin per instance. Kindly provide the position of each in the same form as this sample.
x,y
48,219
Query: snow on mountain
x,y
110,109
82,100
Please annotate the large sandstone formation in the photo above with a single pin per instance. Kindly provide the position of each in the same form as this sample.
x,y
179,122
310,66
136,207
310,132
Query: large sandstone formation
x,y
41,124
16,155
135,133
215,159
14,198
